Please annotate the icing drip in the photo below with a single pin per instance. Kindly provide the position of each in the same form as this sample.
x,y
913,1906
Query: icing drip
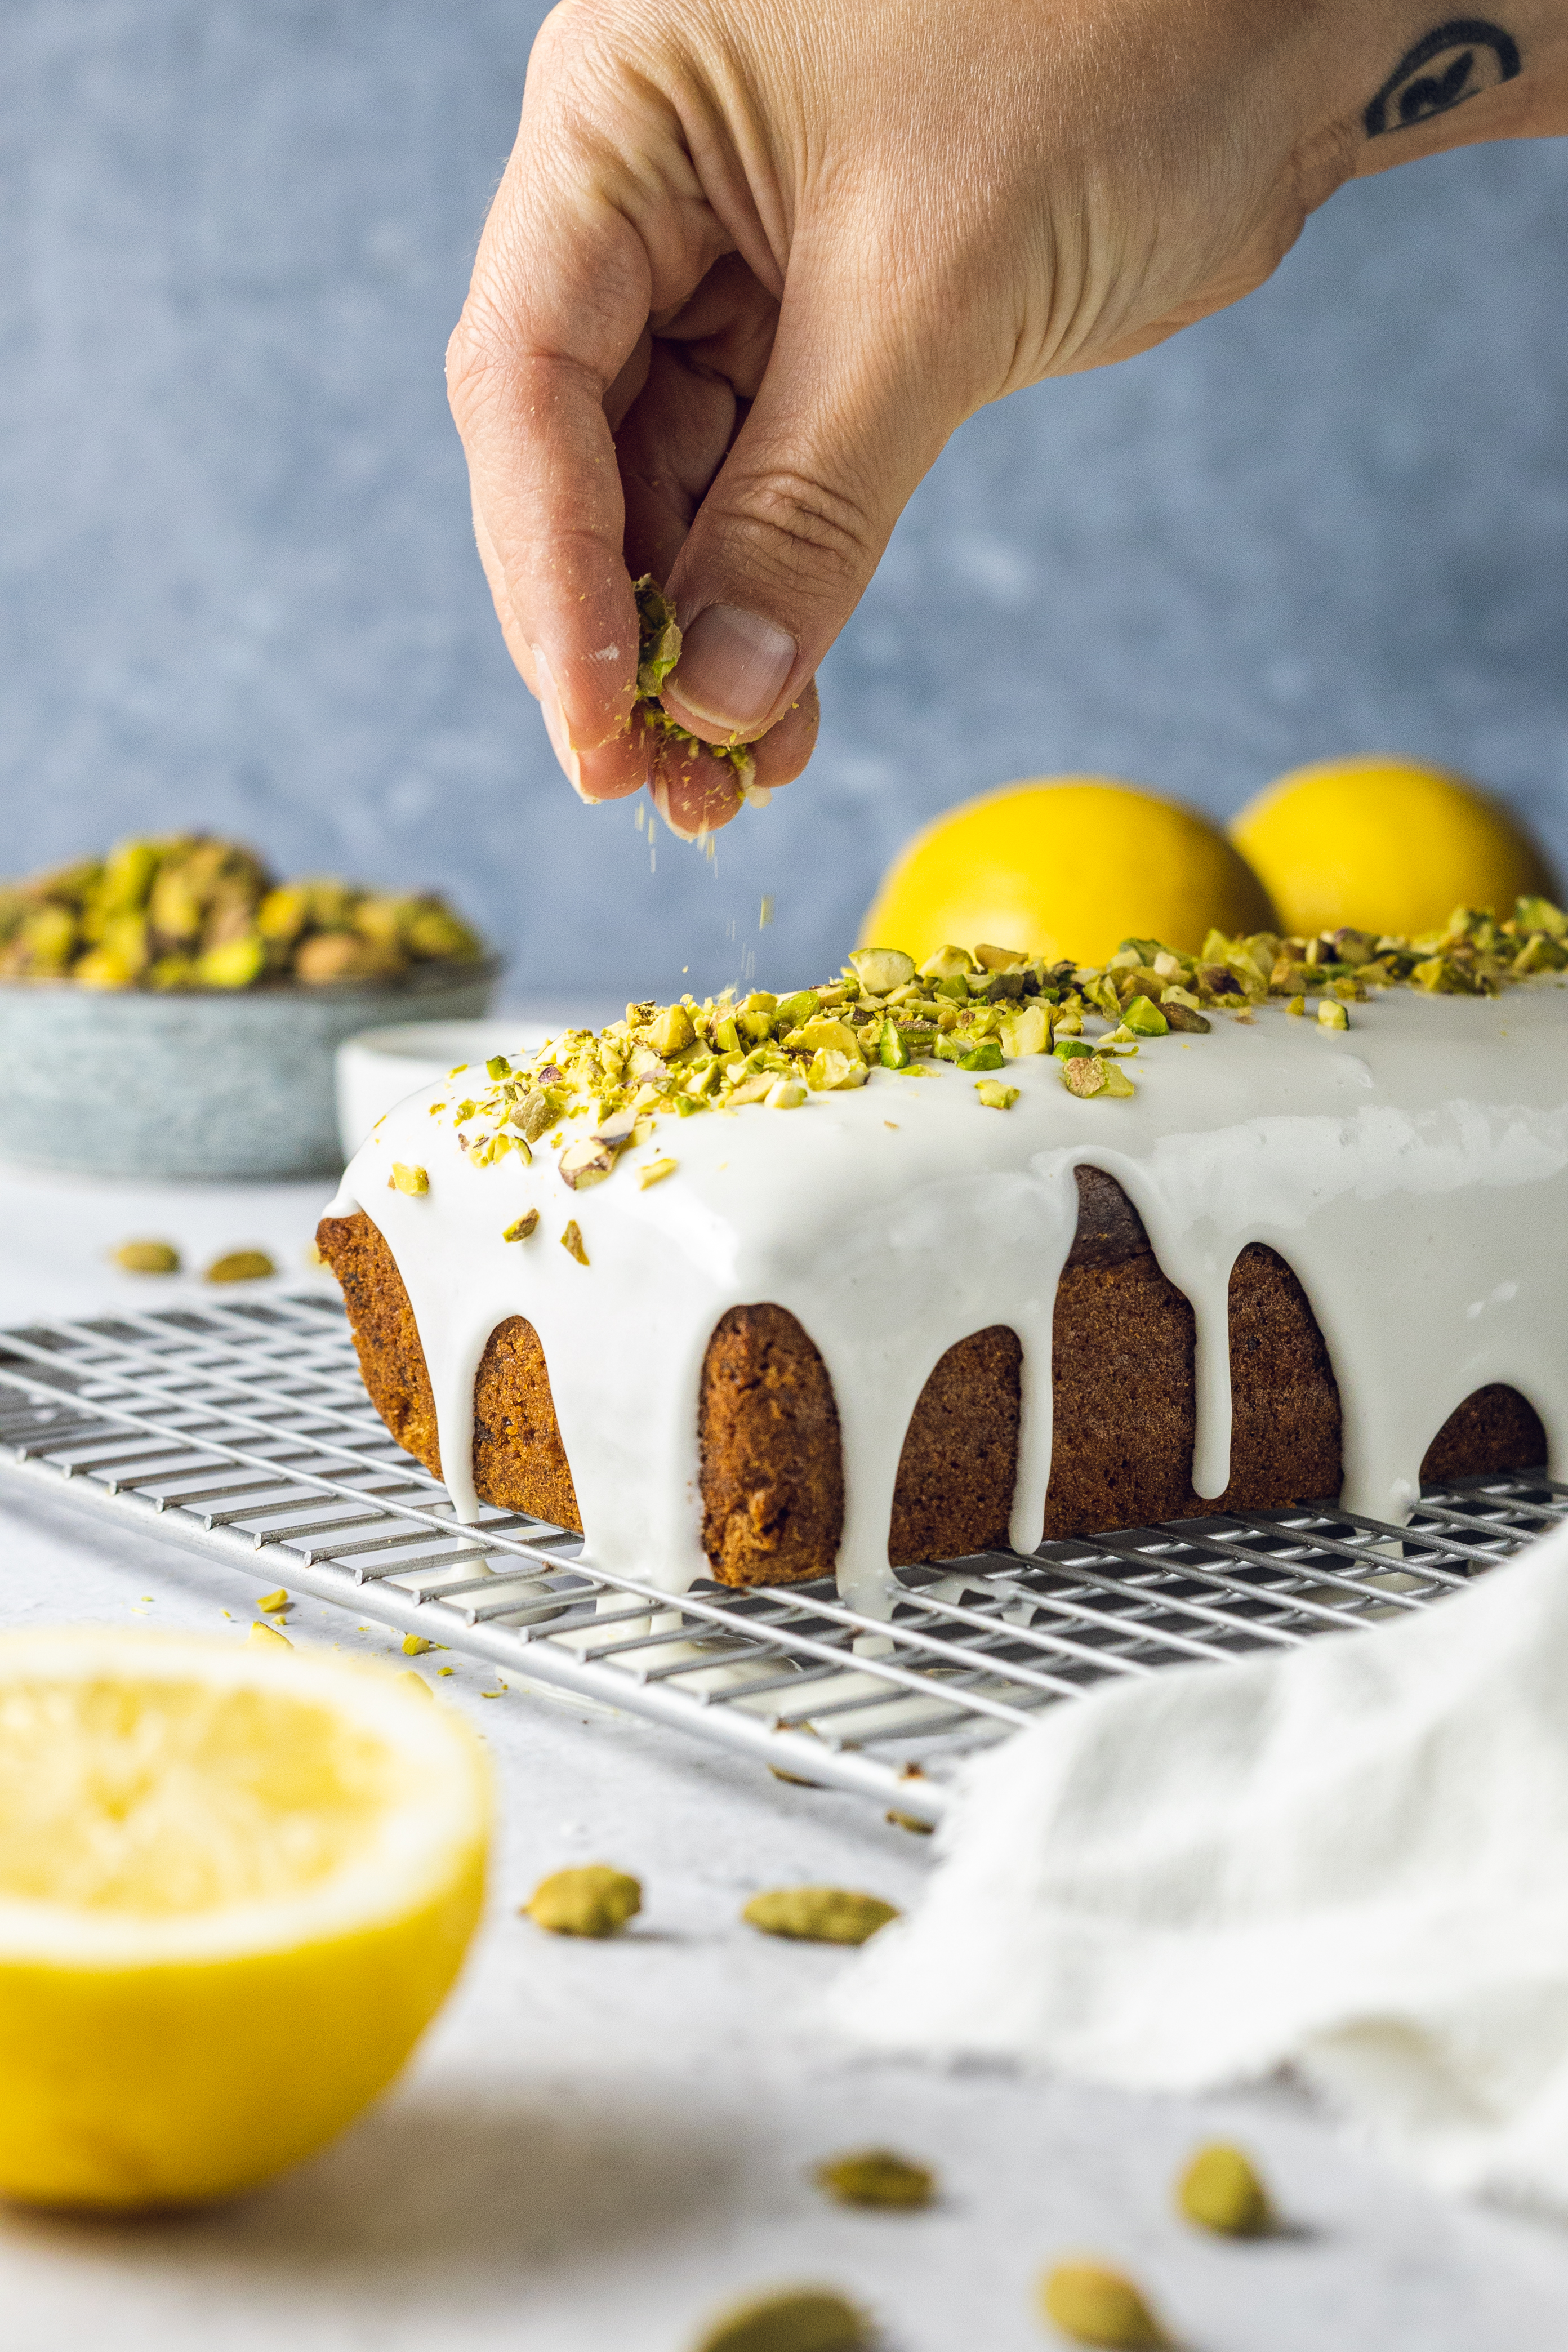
x,y
1413,1171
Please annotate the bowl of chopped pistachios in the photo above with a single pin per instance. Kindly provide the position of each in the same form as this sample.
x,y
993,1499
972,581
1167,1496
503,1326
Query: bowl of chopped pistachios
x,y
173,1009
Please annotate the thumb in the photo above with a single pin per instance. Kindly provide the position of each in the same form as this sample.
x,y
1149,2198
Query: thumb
x,y
850,415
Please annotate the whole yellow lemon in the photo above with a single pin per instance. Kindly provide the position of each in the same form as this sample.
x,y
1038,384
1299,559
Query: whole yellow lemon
x,y
1385,845
1065,865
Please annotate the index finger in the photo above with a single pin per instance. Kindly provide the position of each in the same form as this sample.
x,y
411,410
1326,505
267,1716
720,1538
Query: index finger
x,y
562,289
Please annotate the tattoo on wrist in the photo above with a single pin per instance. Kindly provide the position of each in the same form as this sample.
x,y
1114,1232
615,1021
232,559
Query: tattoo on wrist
x,y
1451,63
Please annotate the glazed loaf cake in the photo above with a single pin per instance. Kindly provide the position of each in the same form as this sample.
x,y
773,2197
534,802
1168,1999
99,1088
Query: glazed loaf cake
x,y
771,1450
1034,1251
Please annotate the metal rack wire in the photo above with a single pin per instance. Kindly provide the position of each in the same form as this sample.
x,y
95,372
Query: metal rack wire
x,y
242,1428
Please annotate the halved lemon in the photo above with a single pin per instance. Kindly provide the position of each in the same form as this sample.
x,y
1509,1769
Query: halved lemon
x,y
236,1882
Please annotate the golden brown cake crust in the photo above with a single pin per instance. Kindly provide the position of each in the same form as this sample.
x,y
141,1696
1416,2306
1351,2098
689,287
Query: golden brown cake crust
x,y
518,1459
1124,1410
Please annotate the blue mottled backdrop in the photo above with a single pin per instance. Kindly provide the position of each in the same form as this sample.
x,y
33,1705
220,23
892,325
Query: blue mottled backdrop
x,y
237,587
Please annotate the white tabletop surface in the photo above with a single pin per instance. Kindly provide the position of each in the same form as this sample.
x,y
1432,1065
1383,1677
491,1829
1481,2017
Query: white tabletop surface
x,y
598,2144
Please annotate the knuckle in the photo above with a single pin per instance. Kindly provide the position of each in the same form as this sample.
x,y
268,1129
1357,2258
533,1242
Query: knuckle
x,y
805,532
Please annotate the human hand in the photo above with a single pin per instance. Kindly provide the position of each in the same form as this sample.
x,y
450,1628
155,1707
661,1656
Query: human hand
x,y
752,263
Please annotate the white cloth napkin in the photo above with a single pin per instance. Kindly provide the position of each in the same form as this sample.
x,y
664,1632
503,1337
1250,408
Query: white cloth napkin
x,y
1351,1859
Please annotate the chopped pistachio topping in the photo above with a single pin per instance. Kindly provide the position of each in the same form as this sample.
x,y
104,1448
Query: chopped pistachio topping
x,y
978,1012
190,911
520,1227
659,650
412,1181
994,1094
655,1171
571,1243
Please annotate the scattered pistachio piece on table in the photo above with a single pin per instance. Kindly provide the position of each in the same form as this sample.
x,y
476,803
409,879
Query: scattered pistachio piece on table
x,y
240,1265
1220,2189
818,1915
1093,2304
802,2319
148,1257
264,1634
272,1601
591,1901
875,2176
407,1674
415,1645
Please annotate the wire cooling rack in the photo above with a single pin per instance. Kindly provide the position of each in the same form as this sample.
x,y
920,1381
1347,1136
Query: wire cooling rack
x,y
242,1428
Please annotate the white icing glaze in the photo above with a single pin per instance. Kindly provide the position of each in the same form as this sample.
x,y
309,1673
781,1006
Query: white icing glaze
x,y
1413,1171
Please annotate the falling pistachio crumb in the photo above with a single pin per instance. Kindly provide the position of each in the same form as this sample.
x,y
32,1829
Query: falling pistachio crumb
x,y
875,2176
1220,2189
260,1632
818,1915
274,1601
656,1172
1095,2305
147,1257
415,1182
520,1227
240,1265
571,1243
594,1900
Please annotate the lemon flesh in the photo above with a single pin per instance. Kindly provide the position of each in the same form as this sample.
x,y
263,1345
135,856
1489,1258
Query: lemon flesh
x,y
1381,844
235,1884
1065,866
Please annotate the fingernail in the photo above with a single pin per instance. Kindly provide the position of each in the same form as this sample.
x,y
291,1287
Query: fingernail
x,y
661,791
555,723
733,667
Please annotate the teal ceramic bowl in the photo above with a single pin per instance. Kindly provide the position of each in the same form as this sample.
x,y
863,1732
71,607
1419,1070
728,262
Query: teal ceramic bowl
x,y
208,1082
